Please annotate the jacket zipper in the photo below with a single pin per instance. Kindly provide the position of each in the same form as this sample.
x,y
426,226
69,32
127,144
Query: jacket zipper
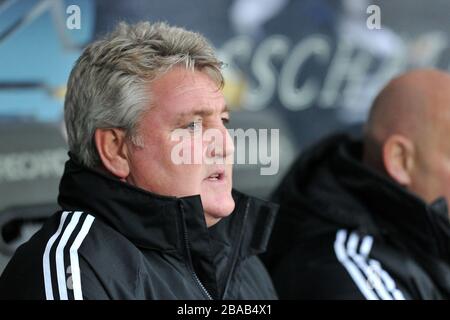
x,y
236,250
191,267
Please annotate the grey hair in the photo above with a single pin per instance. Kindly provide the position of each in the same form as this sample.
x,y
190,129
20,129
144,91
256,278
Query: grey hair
x,y
109,84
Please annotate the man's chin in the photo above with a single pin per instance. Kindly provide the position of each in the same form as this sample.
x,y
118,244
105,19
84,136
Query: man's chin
x,y
218,210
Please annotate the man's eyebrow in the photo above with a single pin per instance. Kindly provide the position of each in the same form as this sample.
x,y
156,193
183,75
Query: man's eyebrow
x,y
203,112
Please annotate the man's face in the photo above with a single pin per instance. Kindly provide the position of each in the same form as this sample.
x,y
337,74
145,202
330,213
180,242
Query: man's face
x,y
431,174
189,100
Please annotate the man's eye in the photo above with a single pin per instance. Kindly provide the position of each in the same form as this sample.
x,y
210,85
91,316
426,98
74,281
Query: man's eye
x,y
194,125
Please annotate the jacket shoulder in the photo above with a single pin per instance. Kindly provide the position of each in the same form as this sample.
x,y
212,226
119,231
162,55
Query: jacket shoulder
x,y
73,252
336,265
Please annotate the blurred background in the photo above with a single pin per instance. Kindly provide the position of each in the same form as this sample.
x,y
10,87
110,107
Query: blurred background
x,y
305,67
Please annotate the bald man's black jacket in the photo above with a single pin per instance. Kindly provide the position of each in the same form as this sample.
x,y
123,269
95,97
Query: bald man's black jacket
x,y
115,241
346,232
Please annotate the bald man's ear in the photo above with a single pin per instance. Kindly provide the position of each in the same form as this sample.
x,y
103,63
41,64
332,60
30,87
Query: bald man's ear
x,y
398,158
112,149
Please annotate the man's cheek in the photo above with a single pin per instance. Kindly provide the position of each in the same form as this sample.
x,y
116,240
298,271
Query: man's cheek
x,y
191,174
187,151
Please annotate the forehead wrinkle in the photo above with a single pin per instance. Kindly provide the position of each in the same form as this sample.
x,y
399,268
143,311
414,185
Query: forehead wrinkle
x,y
193,79
184,88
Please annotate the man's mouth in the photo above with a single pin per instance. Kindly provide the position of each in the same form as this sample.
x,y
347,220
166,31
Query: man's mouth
x,y
216,176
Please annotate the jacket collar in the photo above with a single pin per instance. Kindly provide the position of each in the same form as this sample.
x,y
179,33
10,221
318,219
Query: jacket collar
x,y
157,222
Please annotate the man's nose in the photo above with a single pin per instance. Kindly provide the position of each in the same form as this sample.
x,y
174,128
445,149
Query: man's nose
x,y
222,145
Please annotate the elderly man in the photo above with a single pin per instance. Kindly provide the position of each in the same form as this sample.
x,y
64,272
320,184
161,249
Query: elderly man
x,y
135,223
368,219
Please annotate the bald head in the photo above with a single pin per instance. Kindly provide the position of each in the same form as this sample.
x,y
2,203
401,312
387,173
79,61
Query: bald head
x,y
410,104
413,108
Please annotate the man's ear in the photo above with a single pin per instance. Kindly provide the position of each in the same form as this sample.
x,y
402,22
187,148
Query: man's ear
x,y
112,149
398,158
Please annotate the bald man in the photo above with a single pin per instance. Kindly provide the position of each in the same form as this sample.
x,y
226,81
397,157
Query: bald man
x,y
368,219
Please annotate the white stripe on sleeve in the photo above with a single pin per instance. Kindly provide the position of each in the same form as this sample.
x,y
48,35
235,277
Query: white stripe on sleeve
x,y
373,276
359,279
74,263
46,258
60,269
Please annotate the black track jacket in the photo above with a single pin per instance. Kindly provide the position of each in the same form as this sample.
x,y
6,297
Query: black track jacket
x,y
115,241
346,232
